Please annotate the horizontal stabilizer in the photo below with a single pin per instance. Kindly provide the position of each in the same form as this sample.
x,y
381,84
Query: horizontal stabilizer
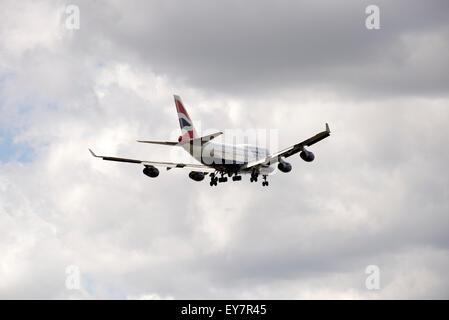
x,y
208,138
167,143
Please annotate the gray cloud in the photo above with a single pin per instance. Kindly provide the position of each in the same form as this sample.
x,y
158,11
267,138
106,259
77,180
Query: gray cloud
x,y
271,46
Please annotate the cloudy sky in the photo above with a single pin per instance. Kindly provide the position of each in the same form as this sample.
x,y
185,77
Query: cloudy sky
x,y
377,193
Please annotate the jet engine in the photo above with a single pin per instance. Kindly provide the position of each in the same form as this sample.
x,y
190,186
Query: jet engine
x,y
285,166
151,171
307,156
197,176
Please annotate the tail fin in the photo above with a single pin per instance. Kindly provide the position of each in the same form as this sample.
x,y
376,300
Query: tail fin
x,y
187,128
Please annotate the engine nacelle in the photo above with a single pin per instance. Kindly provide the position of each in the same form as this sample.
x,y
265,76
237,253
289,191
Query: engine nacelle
x,y
150,171
197,176
285,166
307,156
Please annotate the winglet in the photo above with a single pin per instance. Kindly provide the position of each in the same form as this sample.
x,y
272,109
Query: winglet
x,y
327,128
93,154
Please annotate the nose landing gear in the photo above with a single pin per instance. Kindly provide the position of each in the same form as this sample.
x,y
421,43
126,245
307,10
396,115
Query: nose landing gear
x,y
265,182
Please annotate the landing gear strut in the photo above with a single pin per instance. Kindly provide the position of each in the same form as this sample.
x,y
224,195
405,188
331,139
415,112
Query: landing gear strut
x,y
265,182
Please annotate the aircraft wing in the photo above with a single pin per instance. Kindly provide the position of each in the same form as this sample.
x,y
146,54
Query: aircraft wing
x,y
287,152
168,165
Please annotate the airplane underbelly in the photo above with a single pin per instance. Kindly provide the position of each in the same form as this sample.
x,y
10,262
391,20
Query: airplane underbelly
x,y
228,157
216,161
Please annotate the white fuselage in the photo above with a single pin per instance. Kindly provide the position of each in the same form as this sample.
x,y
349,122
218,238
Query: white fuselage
x,y
231,157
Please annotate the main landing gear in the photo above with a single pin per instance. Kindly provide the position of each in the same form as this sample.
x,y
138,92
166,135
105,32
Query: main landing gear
x,y
213,180
222,178
254,176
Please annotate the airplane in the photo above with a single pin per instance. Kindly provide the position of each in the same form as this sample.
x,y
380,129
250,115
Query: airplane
x,y
218,159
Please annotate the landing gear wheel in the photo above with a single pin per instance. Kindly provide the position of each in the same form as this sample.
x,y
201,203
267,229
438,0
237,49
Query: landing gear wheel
x,y
254,176
265,182
222,178
213,180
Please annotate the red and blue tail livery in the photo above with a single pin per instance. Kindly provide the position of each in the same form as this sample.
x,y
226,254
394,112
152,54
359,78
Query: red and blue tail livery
x,y
187,129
